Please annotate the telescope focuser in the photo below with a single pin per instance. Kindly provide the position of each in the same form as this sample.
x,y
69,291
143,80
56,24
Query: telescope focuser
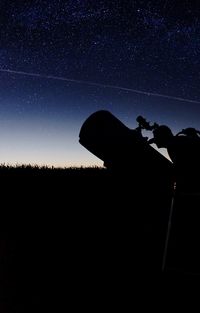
x,y
143,124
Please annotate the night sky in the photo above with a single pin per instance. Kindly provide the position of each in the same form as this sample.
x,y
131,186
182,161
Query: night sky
x,y
150,46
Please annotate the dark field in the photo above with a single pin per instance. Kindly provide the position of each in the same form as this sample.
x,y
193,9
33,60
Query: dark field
x,y
88,239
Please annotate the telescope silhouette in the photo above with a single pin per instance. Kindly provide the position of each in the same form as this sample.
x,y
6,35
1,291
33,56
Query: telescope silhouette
x,y
119,146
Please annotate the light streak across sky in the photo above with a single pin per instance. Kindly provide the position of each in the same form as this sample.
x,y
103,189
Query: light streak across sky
x,y
147,93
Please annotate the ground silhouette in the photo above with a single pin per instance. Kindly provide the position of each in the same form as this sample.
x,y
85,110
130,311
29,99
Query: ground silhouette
x,y
79,237
68,234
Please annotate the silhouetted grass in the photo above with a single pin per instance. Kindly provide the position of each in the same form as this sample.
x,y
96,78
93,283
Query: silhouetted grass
x,y
55,175
27,168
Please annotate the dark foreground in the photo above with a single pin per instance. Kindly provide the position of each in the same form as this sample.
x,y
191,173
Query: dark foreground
x,y
90,239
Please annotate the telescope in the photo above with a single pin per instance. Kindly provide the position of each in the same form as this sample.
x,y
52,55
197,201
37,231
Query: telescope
x,y
119,146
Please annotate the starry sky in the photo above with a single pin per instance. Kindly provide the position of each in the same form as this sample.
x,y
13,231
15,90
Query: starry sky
x,y
150,46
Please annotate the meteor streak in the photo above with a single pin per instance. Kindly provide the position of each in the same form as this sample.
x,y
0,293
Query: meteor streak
x,y
153,94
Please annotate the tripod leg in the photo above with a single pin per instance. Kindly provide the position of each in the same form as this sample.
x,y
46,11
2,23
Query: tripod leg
x,y
168,234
